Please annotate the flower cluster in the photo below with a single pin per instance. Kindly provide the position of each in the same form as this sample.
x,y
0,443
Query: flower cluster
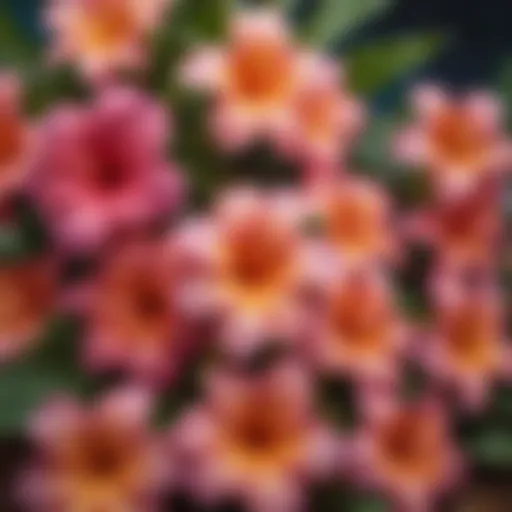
x,y
311,269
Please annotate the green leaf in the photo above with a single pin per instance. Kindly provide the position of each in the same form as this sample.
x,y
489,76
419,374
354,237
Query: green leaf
x,y
51,369
337,18
492,447
378,63
15,49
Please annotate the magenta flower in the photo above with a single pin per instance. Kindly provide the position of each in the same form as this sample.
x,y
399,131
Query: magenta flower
x,y
97,457
16,136
252,78
102,37
255,438
406,451
466,348
101,169
135,315
28,299
357,331
459,140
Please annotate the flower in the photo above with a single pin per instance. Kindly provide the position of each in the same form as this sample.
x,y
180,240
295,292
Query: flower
x,y
464,233
355,216
324,118
134,316
96,457
358,331
405,450
256,262
252,78
101,169
466,346
255,438
28,298
16,136
460,140
102,36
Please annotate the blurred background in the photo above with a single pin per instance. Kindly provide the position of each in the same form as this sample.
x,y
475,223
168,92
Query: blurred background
x,y
387,46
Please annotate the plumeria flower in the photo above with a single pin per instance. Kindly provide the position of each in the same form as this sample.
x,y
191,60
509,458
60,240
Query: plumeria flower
x,y
101,169
135,318
406,451
94,457
252,78
357,331
102,37
28,300
256,260
466,347
255,438
464,233
458,139
17,136
324,118
356,219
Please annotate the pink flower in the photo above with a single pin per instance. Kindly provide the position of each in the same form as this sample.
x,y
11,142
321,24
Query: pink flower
x,y
405,450
256,260
356,218
101,169
102,36
358,331
255,438
324,118
252,77
459,140
135,317
28,299
16,136
466,348
96,457
464,233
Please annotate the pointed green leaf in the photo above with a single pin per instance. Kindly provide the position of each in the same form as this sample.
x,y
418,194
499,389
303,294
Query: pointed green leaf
x,y
380,62
337,18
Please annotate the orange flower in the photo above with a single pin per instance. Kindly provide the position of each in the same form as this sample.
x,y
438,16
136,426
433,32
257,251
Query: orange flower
x,y
356,218
90,458
359,332
252,77
102,36
459,140
255,438
467,349
406,451
27,302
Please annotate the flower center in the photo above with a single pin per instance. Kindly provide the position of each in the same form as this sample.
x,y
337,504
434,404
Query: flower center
x,y
107,24
260,71
456,137
257,254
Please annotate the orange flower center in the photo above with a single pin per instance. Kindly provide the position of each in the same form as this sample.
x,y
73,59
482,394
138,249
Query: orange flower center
x,y
352,223
258,254
457,138
11,139
260,71
410,447
360,320
316,113
107,24
470,338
